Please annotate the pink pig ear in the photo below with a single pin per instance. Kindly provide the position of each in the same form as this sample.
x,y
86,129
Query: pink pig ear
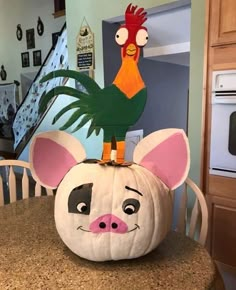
x,y
166,154
52,155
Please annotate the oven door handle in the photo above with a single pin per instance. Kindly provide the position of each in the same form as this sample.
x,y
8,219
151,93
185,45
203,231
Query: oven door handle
x,y
223,99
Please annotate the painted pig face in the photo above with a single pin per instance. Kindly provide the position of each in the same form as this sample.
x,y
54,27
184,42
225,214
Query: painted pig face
x,y
110,213
106,212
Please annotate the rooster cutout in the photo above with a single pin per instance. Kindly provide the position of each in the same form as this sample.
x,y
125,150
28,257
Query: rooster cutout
x,y
116,107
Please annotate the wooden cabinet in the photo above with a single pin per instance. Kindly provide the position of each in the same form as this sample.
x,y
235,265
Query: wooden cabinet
x,y
223,229
221,200
59,8
223,55
223,22
220,191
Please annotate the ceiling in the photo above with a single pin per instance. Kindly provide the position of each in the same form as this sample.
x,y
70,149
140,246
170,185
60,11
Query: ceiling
x,y
169,32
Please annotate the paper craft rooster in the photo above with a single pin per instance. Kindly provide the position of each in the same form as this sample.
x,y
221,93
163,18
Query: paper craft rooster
x,y
116,107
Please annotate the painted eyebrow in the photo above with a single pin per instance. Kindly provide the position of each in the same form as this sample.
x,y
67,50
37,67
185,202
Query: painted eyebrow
x,y
135,190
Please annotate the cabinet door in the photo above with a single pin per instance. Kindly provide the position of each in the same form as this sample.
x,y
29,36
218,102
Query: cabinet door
x,y
222,231
223,22
59,5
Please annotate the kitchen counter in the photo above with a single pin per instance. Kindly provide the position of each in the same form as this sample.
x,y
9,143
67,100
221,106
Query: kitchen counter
x,y
32,256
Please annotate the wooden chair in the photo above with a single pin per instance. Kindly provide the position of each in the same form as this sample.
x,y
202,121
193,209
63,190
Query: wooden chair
x,y
16,182
195,224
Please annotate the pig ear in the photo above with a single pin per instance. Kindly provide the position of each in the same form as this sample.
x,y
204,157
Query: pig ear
x,y
166,154
52,155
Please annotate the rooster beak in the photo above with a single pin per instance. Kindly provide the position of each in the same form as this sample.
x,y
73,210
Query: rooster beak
x,y
131,49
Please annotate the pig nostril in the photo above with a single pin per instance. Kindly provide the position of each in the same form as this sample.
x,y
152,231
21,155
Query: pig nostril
x,y
102,225
114,225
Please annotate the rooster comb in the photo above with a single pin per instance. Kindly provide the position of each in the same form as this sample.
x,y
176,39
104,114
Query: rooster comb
x,y
135,17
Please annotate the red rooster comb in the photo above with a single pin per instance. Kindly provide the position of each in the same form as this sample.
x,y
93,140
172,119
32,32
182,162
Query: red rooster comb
x,y
133,17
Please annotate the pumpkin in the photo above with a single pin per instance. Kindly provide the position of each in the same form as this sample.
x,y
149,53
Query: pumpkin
x,y
111,212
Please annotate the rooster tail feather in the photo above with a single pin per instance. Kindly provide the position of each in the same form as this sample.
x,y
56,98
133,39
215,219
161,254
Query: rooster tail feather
x,y
84,120
73,105
97,130
87,82
74,117
91,128
47,97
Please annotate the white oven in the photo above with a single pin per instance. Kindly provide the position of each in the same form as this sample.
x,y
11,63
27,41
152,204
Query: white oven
x,y
223,124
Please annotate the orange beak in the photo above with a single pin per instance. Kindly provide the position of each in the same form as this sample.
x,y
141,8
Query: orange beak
x,y
132,51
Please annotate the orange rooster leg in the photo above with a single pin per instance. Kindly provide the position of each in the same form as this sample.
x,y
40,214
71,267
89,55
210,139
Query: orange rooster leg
x,y
106,155
120,153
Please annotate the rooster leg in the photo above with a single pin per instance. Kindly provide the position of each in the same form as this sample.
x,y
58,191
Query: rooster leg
x,y
120,154
106,155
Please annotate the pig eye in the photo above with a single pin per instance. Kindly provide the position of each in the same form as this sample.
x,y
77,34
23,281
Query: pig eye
x,y
82,207
130,206
79,200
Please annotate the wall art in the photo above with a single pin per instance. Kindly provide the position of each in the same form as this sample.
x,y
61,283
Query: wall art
x,y
40,27
30,40
19,32
3,73
85,48
37,59
25,61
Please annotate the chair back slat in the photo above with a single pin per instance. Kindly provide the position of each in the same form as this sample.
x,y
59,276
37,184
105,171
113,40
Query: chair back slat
x,y
16,182
194,220
204,211
1,192
182,218
198,213
12,184
38,189
25,184
49,191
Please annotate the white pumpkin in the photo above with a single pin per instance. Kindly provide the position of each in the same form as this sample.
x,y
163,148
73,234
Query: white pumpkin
x,y
106,212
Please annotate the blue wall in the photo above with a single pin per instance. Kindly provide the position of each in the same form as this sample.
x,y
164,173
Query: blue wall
x,y
167,102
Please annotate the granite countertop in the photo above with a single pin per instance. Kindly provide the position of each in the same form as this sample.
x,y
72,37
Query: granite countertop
x,y
32,256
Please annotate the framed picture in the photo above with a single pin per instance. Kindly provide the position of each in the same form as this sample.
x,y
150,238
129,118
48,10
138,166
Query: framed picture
x,y
25,59
55,36
30,40
37,59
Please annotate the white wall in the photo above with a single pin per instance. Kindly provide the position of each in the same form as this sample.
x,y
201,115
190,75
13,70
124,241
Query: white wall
x,y
26,13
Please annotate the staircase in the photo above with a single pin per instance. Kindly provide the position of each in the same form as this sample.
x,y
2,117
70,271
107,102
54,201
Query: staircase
x,y
27,119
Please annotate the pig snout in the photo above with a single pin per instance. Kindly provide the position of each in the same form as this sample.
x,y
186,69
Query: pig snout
x,y
108,223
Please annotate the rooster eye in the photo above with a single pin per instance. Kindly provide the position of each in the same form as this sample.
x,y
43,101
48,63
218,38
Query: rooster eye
x,y
122,35
141,37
